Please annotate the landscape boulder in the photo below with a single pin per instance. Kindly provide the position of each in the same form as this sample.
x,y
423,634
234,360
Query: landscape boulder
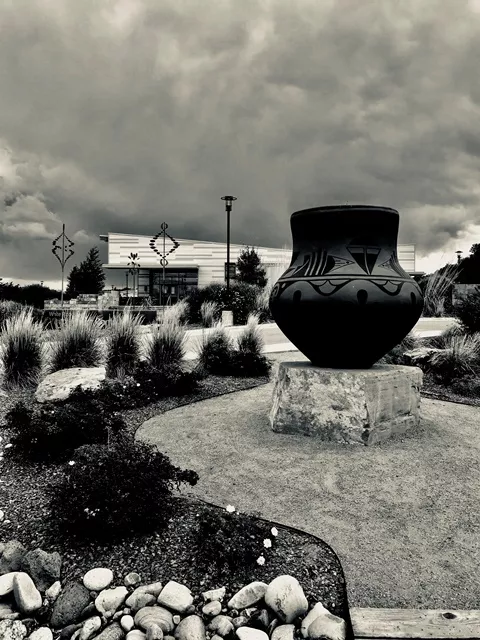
x,y
43,567
58,386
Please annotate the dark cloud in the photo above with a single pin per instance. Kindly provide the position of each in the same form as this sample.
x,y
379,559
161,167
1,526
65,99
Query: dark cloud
x,y
117,115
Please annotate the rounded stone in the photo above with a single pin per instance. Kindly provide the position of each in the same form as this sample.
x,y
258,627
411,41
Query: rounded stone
x,y
98,579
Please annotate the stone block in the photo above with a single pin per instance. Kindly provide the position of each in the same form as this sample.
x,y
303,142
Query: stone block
x,y
353,406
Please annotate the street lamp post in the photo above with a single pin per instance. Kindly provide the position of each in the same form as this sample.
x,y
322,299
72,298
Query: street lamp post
x,y
459,256
228,208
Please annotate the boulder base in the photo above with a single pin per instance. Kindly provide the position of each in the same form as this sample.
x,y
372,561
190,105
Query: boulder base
x,y
353,406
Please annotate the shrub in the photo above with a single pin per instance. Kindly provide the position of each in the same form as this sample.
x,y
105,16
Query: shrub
x,y
77,344
397,354
133,496
146,385
437,291
50,432
241,299
8,309
209,313
123,348
166,343
216,352
228,542
460,357
22,349
468,311
249,360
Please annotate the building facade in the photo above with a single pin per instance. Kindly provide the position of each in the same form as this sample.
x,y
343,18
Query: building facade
x,y
196,263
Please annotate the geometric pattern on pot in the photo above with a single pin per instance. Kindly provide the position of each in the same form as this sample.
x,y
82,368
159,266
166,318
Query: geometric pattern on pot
x,y
317,264
392,265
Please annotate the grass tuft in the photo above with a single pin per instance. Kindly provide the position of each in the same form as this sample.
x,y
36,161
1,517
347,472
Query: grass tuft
x,y
22,349
77,344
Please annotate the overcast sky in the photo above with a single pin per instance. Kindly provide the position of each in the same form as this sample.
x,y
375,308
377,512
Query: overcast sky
x,y
118,114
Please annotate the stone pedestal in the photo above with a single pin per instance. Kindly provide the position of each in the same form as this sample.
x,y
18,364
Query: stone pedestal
x,y
354,406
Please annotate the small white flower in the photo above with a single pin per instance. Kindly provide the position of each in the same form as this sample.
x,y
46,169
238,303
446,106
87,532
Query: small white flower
x,y
138,384
7,446
267,543
71,463
230,508
261,560
274,531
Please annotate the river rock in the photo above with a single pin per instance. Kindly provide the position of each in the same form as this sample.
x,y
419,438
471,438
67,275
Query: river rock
x,y
139,599
109,600
176,619
326,625
7,612
247,633
248,595
221,625
212,608
69,605
27,596
283,632
214,594
98,579
6,583
127,623
12,630
132,579
175,596
136,634
42,633
154,615
154,632
90,628
44,568
53,592
191,628
12,557
284,595
240,621
113,632
67,632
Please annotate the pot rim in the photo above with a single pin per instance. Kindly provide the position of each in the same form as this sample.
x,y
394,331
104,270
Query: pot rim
x,y
346,207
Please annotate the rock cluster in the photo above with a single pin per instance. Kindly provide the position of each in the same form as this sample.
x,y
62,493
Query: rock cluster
x,y
34,604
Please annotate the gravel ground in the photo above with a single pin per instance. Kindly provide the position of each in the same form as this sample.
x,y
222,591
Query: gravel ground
x,y
402,516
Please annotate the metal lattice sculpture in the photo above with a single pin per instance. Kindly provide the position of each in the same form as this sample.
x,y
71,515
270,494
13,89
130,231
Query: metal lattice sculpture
x,y
134,267
163,255
64,258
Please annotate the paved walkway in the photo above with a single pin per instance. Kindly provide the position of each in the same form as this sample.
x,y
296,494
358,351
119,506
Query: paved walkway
x,y
403,516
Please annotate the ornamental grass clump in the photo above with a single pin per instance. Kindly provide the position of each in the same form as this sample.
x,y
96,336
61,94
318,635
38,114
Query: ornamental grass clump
x,y
216,352
166,343
459,358
114,491
123,346
248,359
209,313
229,542
77,343
178,312
50,432
22,349
437,292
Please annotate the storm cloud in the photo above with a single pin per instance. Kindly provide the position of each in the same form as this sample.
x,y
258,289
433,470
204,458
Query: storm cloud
x,y
117,115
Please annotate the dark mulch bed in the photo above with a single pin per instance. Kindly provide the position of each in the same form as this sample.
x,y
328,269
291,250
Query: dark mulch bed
x,y
436,391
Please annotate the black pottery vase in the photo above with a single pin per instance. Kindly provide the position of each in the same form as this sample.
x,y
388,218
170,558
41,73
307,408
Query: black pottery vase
x,y
345,301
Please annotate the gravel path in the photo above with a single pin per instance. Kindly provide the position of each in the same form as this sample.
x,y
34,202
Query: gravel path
x,y
403,516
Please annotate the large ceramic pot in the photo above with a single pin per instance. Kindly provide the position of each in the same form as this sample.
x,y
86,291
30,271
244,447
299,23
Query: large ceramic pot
x,y
345,301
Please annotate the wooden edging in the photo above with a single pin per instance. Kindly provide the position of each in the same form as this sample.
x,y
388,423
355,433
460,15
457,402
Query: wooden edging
x,y
371,624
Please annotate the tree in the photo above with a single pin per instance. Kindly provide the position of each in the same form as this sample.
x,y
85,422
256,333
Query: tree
x,y
470,267
88,277
250,269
